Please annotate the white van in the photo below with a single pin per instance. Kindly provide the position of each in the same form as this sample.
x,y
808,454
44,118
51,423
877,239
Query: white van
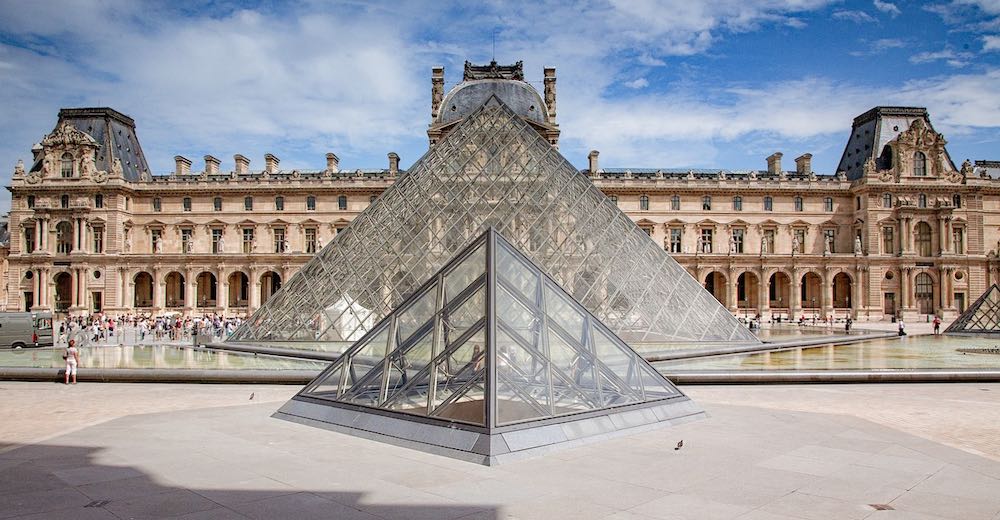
x,y
25,329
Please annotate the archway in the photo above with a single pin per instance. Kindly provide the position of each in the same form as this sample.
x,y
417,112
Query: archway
x,y
842,291
64,291
64,237
143,290
923,292
175,288
715,283
239,289
780,291
270,282
747,291
206,292
812,286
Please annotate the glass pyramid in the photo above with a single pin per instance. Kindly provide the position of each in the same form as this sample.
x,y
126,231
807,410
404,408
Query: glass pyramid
x,y
492,169
490,347
983,317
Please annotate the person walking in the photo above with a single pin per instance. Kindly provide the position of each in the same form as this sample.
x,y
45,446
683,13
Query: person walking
x,y
72,357
902,326
937,325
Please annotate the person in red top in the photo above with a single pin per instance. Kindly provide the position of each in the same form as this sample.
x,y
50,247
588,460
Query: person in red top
x,y
937,325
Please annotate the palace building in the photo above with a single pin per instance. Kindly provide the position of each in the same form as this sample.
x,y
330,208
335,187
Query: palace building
x,y
898,229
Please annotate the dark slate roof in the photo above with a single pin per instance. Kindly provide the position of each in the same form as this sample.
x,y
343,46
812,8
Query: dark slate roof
x,y
870,134
116,134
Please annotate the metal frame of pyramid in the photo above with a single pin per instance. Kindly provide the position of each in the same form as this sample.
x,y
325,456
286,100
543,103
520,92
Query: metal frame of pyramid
x,y
489,360
492,169
982,317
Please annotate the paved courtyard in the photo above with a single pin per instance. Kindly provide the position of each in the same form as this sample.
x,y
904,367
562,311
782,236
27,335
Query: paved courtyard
x,y
766,452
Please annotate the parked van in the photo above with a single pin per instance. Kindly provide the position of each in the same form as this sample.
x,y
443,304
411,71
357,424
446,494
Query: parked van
x,y
25,329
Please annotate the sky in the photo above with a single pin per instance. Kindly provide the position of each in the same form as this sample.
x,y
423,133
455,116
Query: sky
x,y
657,84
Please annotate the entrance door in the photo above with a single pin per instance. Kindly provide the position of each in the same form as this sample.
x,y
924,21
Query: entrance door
x,y
889,307
960,301
29,301
96,298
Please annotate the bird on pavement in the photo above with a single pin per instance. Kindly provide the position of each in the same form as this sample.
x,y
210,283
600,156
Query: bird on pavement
x,y
680,444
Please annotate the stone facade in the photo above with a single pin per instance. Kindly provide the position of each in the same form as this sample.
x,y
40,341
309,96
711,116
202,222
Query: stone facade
x,y
898,230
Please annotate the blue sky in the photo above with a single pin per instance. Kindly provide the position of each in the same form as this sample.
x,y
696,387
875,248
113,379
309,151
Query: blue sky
x,y
649,84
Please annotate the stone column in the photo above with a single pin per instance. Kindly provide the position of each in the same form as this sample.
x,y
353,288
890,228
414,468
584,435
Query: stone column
x,y
908,233
37,289
159,291
857,292
949,246
795,298
904,288
827,294
221,292
190,289
764,296
38,235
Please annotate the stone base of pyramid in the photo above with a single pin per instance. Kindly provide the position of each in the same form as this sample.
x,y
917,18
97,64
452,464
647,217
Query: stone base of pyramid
x,y
498,446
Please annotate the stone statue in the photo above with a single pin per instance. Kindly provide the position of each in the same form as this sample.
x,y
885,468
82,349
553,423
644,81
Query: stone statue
x,y
732,245
827,246
763,245
116,167
19,167
222,244
857,245
128,243
795,245
158,248
86,167
319,243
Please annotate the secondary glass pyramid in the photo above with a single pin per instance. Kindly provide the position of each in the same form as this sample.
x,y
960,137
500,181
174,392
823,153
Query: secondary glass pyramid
x,y
493,169
983,317
490,341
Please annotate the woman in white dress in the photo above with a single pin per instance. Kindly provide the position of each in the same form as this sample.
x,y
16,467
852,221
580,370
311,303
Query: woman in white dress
x,y
72,357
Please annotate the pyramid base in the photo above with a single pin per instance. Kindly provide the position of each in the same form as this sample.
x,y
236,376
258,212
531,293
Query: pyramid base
x,y
498,447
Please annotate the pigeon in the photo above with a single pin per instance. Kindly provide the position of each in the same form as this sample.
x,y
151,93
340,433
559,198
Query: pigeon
x,y
251,396
680,444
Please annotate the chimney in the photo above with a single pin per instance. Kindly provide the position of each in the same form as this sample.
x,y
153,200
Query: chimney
x,y
242,164
803,164
211,165
592,159
774,163
437,89
182,165
393,163
550,91
271,163
332,163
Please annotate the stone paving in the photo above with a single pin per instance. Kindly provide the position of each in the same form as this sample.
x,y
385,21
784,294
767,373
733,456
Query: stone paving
x,y
751,459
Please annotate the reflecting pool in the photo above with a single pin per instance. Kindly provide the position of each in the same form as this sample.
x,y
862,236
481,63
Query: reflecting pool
x,y
154,357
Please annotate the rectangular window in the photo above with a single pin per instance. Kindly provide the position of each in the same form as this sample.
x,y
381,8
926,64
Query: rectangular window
x,y
888,242
279,204
29,239
828,204
830,239
798,204
800,237
216,237
705,242
187,203
311,203
706,203
186,240
342,202
99,201
738,240
31,201
675,239
98,239
644,203
737,203
614,199
310,240
279,240
958,240
768,241
247,240
648,231
157,204
768,203
675,203
217,203
155,237
248,203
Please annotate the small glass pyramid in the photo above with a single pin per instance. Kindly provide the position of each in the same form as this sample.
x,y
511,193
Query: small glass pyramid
x,y
492,169
489,344
982,317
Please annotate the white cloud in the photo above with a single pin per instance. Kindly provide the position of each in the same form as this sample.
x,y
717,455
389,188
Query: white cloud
x,y
887,7
853,16
952,58
991,43
649,61
879,46
638,83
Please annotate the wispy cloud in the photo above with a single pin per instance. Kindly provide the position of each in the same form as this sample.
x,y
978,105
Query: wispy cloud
x,y
853,16
638,83
879,46
991,43
952,58
887,8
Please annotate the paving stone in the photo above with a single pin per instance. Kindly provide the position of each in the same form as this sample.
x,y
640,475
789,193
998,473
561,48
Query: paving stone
x,y
163,505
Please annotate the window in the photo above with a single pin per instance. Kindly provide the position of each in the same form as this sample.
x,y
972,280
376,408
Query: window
x,y
828,204
217,203
857,202
311,203
887,200
371,199
830,239
798,203
888,244
67,165
186,241
247,240
737,203
675,239
958,240
738,240
705,242
157,204
956,200
614,199
644,202
648,230
768,203
216,238
279,204
920,164
186,202
155,236
31,201
924,293
342,202
29,239
310,240
99,201
706,203
64,237
800,236
923,239
64,201
922,200
279,240
98,238
248,203
675,202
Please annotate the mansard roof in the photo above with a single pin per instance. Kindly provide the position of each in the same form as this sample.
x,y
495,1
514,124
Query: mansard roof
x,y
114,132
872,131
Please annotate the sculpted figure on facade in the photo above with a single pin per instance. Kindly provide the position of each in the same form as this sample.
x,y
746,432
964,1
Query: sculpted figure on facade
x,y
827,246
19,168
857,245
732,245
116,168
795,245
222,244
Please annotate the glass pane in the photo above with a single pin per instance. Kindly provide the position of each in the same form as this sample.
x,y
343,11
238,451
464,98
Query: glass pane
x,y
522,381
328,385
465,273
364,367
411,394
563,312
513,271
620,377
464,368
515,315
417,314
573,385
655,385
468,313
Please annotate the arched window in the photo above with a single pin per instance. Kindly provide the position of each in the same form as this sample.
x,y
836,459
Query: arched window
x,y
706,203
279,204
64,201
644,202
828,204
99,201
956,200
919,164
923,239
675,202
922,200
311,203
798,203
67,165
342,202
737,203
187,203
887,200
768,203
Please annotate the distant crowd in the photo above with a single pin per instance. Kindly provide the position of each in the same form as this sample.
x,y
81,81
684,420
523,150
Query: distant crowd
x,y
101,328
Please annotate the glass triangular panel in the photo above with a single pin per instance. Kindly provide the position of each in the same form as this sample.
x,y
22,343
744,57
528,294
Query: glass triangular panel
x,y
982,317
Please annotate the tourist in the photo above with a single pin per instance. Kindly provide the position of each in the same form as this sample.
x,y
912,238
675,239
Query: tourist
x,y
847,324
937,325
902,327
72,357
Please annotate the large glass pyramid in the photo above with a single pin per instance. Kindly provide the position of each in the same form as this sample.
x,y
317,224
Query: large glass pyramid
x,y
489,346
492,169
983,317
